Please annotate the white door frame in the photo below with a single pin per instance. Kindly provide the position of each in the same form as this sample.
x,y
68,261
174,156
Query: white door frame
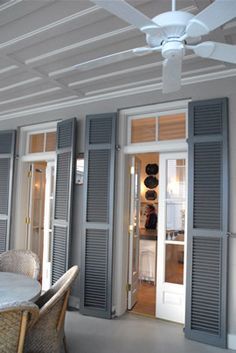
x,y
170,298
121,221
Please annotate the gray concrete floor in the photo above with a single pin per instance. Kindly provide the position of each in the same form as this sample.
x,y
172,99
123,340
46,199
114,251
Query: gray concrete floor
x,y
129,334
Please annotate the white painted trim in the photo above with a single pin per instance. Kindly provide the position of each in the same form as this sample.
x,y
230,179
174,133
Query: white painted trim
x,y
78,44
50,126
8,68
34,157
121,93
165,146
54,24
156,109
37,105
35,94
231,341
9,4
20,83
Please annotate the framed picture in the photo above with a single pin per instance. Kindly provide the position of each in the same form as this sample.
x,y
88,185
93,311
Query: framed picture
x,y
79,173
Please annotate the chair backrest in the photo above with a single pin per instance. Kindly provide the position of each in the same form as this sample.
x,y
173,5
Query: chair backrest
x,y
47,333
14,319
20,261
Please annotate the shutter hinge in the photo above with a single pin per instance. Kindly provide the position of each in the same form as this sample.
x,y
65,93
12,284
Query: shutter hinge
x,y
128,287
27,220
118,148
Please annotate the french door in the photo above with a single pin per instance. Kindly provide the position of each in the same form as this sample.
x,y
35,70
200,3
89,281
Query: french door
x,y
35,219
134,232
40,213
48,217
171,258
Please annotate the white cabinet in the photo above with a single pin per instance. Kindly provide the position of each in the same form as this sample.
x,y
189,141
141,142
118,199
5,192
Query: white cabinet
x,y
147,260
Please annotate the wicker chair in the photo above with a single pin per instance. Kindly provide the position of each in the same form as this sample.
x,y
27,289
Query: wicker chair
x,y
14,319
20,261
47,334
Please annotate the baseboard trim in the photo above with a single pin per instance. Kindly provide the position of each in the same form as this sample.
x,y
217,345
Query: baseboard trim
x,y
231,341
74,302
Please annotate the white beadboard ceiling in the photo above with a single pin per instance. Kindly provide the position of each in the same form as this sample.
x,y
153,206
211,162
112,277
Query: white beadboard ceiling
x,y
42,40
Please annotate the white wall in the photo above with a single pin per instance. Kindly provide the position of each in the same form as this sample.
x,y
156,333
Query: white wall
x,y
200,91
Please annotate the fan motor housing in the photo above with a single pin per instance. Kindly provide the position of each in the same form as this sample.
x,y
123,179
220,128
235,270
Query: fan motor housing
x,y
173,24
173,49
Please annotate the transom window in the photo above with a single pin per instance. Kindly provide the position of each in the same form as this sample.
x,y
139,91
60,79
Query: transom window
x,y
39,142
157,127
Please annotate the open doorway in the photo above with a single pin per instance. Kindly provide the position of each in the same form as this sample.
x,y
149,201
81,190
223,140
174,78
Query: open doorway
x,y
143,226
157,235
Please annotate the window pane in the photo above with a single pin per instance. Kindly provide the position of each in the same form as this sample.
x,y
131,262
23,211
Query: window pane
x,y
172,127
143,130
50,141
175,199
36,143
174,268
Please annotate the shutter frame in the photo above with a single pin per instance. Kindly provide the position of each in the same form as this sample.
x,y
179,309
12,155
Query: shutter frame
x,y
103,306
62,218
219,338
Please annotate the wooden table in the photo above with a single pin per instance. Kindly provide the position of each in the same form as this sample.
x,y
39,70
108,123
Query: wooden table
x,y
18,288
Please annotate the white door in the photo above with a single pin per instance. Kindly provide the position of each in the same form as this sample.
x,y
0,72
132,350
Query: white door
x,y
171,256
134,232
36,208
49,202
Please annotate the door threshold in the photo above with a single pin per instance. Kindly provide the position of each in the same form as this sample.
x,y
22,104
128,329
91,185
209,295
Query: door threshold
x,y
141,314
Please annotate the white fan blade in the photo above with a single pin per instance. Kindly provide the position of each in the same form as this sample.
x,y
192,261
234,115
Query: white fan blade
x,y
128,13
110,59
171,75
214,50
212,17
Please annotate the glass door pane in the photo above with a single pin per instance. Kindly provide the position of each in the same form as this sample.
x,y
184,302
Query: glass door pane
x,y
175,220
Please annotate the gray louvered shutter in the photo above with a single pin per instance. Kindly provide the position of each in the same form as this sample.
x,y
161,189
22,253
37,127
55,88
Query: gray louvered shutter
x,y
206,309
96,270
7,150
62,220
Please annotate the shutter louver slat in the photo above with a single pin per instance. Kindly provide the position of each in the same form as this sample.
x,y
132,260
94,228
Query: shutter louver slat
x,y
4,184
3,233
96,271
207,225
6,142
59,252
98,184
96,263
62,220
62,185
7,150
207,185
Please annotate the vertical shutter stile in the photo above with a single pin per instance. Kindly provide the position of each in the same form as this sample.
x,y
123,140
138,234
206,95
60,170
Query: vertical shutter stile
x,y
96,267
62,219
206,307
7,151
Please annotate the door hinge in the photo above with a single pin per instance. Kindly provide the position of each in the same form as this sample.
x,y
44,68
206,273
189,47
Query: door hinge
x,y
128,287
27,220
29,174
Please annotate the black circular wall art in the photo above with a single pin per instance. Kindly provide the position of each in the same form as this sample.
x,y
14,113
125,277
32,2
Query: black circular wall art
x,y
151,182
151,195
152,169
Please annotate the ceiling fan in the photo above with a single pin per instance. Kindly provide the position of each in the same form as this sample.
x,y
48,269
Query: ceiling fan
x,y
170,33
